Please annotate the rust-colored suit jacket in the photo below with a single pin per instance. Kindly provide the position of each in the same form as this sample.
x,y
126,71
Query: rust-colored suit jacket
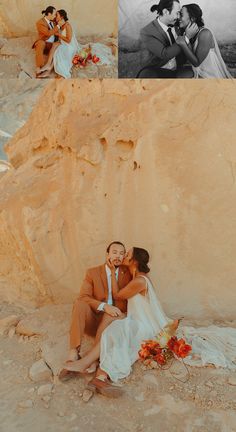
x,y
44,32
94,289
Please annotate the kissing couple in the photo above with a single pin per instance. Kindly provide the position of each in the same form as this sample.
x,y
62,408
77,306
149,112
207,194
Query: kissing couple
x,y
118,305
179,45
57,40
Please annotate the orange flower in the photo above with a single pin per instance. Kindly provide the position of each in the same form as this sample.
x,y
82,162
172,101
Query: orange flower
x,y
171,343
181,349
160,358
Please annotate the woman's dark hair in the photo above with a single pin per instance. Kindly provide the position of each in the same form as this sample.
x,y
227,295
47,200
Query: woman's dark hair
x,y
195,13
49,10
115,242
163,4
141,256
63,14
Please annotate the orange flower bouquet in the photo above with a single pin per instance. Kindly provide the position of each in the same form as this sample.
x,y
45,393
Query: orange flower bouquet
x,y
165,347
81,59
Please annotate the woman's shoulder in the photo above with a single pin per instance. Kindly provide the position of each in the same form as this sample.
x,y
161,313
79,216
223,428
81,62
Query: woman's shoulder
x,y
205,34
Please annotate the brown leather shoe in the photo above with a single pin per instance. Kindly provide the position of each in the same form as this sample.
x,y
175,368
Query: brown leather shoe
x,y
106,388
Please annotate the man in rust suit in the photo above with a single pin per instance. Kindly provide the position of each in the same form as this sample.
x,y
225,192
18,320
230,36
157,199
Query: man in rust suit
x,y
95,309
47,31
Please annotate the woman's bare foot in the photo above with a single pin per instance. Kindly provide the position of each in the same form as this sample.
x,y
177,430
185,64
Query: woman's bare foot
x,y
76,366
93,367
45,68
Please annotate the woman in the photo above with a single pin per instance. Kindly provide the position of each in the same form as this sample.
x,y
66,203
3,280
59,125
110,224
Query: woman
x,y
63,51
203,53
121,340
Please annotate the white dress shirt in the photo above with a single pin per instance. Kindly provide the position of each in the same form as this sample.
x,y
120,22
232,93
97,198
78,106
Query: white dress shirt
x,y
171,64
51,26
109,299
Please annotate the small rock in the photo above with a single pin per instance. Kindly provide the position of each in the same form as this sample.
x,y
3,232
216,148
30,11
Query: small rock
x,y
232,380
26,404
46,399
61,414
11,332
40,372
7,323
209,403
45,389
87,395
31,390
209,384
213,393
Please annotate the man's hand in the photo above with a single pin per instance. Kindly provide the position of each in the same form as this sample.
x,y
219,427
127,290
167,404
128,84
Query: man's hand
x,y
180,40
191,30
112,310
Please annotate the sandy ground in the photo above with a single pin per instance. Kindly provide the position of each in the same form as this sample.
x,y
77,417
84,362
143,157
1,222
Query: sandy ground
x,y
17,59
152,400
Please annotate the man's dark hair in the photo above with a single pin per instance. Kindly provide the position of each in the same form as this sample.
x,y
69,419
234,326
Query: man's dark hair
x,y
48,10
163,4
115,242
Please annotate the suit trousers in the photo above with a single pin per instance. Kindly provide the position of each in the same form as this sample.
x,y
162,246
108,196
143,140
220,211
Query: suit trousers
x,y
41,48
83,320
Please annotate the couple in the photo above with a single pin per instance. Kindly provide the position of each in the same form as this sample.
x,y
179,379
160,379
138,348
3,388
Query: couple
x,y
57,40
178,35
118,305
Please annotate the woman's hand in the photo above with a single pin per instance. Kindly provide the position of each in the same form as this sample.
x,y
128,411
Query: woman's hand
x,y
180,40
110,264
61,22
191,30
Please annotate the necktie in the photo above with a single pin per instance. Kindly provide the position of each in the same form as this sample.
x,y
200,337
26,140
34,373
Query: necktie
x,y
171,35
51,24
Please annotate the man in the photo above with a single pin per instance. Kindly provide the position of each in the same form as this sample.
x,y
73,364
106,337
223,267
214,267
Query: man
x,y
158,38
95,308
46,36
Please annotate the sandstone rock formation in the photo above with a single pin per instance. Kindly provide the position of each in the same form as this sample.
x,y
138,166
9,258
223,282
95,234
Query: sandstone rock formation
x,y
88,18
151,163
17,98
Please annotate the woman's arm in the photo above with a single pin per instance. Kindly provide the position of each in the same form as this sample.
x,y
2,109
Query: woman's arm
x,y
68,36
203,48
136,286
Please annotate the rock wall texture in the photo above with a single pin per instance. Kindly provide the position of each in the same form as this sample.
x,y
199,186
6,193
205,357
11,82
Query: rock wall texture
x,y
133,15
151,163
17,98
17,18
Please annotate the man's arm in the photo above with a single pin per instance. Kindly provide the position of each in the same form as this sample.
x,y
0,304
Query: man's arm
x,y
158,49
86,292
45,30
